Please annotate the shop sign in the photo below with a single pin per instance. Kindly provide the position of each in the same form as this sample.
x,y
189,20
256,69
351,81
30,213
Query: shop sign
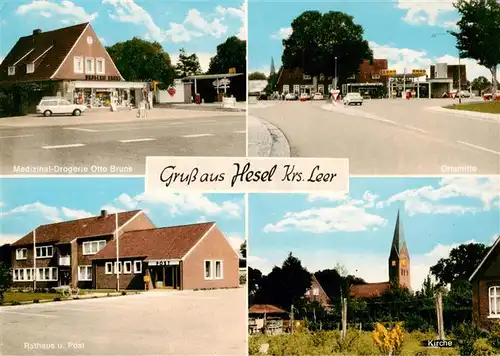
x,y
103,77
162,263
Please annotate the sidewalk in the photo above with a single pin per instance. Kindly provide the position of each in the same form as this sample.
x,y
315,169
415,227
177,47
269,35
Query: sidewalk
x,y
473,114
240,106
104,116
265,139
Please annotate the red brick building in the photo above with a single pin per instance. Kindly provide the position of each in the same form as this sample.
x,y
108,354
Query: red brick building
x,y
74,60
83,253
486,289
399,268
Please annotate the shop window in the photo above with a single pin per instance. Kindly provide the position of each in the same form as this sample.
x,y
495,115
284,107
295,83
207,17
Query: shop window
x,y
78,65
286,88
99,63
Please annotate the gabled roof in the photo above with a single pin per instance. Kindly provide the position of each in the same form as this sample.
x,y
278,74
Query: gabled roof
x,y
314,281
265,309
67,231
49,49
161,243
369,290
398,240
496,245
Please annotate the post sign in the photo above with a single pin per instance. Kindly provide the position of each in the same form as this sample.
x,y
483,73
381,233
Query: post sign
x,y
388,72
420,72
162,262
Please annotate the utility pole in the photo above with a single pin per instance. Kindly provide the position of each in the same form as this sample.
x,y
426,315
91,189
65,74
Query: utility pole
x,y
439,314
291,320
34,260
459,81
344,319
336,80
117,267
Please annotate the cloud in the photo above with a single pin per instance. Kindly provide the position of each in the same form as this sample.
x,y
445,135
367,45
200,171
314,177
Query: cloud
x,y
235,240
65,9
346,217
49,213
181,203
9,238
265,70
203,58
282,33
406,58
214,28
428,12
432,200
239,13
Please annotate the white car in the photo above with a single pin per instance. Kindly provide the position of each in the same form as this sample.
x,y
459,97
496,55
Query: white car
x,y
353,98
290,96
59,106
318,96
465,94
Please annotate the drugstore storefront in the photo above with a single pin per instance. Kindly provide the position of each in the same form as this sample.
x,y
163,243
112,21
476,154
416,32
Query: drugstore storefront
x,y
100,94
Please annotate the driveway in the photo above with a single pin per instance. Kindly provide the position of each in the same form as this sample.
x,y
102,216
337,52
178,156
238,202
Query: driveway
x,y
151,323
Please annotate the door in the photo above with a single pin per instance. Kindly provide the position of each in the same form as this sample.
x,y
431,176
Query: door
x,y
65,278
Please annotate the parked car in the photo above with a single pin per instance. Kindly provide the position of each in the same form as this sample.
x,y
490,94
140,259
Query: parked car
x,y
489,96
305,97
290,96
353,98
50,105
465,94
318,96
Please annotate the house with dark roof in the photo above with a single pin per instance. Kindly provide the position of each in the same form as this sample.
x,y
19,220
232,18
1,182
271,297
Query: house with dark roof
x,y
316,293
74,60
119,250
399,268
486,289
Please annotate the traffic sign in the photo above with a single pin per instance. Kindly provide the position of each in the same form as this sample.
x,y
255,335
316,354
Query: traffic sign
x,y
421,72
388,72
224,82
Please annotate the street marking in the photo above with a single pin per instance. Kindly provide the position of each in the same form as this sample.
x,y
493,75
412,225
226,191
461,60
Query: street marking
x,y
16,136
137,140
241,132
80,129
28,314
415,129
76,309
64,146
380,119
198,135
478,147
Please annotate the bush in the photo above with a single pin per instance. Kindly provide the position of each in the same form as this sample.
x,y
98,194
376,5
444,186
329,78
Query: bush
x,y
481,347
466,335
243,279
389,342
494,336
52,290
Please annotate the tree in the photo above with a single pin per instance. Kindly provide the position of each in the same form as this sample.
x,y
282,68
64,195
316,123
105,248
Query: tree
x,y
5,279
243,250
140,60
257,76
254,280
284,285
232,54
477,35
336,282
461,263
187,64
317,39
480,84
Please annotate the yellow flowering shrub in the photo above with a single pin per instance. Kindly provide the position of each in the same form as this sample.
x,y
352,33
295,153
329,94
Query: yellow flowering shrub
x,y
388,341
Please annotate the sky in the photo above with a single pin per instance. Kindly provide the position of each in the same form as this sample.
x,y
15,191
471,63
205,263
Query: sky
x,y
356,231
196,26
400,31
26,203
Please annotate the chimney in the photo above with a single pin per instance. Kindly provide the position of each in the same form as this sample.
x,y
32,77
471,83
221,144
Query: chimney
x,y
104,214
37,31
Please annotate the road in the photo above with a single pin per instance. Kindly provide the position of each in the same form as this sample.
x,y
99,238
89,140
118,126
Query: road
x,y
153,323
119,147
390,137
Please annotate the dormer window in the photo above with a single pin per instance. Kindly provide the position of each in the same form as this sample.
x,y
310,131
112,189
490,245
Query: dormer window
x,y
12,70
30,68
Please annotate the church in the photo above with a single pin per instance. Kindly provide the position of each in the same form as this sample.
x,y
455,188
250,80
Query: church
x,y
399,268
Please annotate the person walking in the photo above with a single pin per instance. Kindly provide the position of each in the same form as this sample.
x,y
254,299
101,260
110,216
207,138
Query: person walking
x,y
146,282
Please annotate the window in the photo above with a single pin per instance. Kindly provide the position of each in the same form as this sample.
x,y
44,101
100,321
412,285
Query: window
x,y
16,274
393,263
219,273
296,88
118,267
12,70
44,252
30,68
99,64
89,65
137,266
64,102
127,267
45,274
28,274
109,267
92,247
286,88
494,297
21,253
21,274
208,270
78,62
321,88
315,291
84,273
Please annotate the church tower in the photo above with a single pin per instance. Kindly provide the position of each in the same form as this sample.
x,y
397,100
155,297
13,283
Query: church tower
x,y
273,70
399,258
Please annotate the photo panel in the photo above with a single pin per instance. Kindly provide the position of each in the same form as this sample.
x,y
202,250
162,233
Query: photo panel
x,y
95,266
95,87
399,265
381,83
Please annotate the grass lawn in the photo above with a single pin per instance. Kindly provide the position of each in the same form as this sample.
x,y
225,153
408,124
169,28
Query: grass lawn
x,y
490,107
10,297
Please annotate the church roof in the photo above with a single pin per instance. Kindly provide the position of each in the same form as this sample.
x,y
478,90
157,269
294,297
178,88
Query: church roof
x,y
398,241
369,290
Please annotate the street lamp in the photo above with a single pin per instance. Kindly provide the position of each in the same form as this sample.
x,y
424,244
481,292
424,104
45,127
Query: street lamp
x,y
434,35
335,73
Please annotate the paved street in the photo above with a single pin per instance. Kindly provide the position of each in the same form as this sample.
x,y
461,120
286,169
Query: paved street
x,y
120,146
388,136
152,323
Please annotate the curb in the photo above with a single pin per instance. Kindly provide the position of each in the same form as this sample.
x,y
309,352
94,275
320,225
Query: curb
x,y
63,299
466,113
276,142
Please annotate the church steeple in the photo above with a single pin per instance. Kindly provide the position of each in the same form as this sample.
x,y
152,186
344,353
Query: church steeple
x,y
399,258
273,70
